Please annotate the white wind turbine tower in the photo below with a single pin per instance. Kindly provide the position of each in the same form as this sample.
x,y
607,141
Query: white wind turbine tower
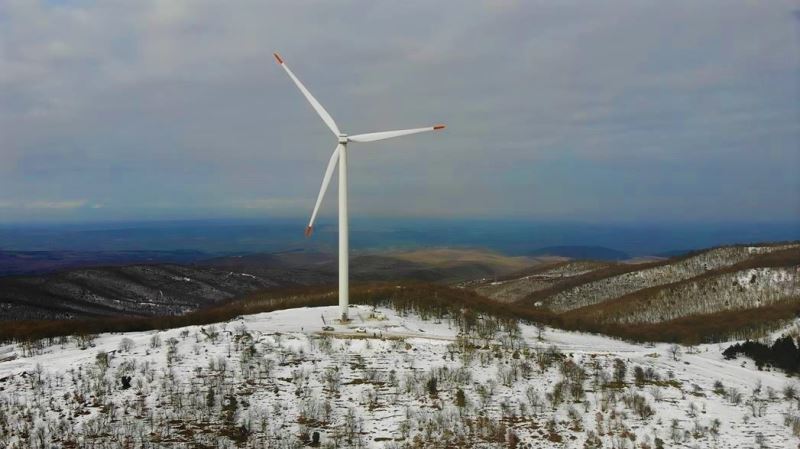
x,y
340,155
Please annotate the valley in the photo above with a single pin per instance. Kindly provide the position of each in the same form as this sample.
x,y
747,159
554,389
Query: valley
x,y
163,289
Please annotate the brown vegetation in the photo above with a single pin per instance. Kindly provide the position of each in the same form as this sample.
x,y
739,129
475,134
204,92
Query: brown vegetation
x,y
439,300
546,265
428,299
670,296
777,258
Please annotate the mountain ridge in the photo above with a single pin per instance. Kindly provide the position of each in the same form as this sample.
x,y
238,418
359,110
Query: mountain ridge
x,y
155,289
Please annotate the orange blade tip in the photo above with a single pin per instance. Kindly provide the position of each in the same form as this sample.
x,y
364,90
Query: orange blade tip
x,y
278,58
438,127
309,231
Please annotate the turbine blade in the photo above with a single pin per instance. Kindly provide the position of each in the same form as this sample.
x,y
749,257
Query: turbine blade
x,y
325,181
314,103
372,137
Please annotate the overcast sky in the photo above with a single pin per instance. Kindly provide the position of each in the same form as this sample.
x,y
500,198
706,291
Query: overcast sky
x,y
586,111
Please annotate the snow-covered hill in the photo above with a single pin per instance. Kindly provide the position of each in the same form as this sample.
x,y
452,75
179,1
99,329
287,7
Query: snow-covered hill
x,y
626,283
754,287
385,380
511,290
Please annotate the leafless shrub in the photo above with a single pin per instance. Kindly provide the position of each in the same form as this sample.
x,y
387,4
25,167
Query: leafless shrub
x,y
126,345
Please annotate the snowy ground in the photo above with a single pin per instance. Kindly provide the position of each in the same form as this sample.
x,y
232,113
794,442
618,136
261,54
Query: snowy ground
x,y
274,379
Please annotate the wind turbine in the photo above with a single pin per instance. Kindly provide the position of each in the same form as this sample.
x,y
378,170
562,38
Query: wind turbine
x,y
340,155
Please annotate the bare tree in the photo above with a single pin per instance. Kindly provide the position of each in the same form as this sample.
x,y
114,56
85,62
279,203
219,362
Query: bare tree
x,y
675,352
126,344
540,328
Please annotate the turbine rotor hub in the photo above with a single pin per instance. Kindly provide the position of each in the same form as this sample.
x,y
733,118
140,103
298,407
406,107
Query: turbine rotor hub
x,y
343,139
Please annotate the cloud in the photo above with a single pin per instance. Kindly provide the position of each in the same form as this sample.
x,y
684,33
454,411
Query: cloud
x,y
74,204
271,203
598,111
46,204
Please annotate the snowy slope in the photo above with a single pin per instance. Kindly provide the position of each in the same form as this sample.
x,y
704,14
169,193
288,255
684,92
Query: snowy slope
x,y
273,379
623,284
511,290
754,287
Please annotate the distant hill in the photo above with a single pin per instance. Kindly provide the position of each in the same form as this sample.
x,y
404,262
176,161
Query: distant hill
x,y
104,285
40,262
675,253
582,252
727,291
577,284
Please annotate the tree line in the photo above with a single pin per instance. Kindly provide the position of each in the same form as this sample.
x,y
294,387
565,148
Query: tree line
x,y
427,300
783,354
